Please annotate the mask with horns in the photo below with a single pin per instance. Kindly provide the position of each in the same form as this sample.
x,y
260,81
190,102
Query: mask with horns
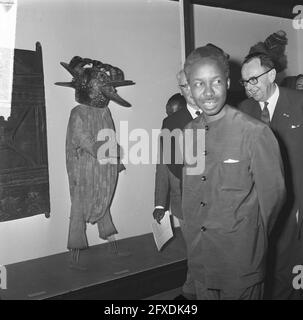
x,y
95,82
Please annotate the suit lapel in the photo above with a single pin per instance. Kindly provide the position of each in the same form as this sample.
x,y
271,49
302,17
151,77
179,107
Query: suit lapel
x,y
187,116
252,108
281,112
282,115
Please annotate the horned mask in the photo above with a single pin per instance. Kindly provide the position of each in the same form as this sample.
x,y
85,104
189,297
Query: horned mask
x,y
95,83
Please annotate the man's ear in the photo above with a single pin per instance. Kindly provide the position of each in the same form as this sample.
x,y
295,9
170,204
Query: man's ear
x,y
272,75
228,83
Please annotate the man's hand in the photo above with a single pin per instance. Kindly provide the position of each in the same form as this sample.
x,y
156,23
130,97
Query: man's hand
x,y
158,214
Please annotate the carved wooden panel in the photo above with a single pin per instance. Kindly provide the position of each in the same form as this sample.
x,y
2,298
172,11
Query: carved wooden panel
x,y
24,180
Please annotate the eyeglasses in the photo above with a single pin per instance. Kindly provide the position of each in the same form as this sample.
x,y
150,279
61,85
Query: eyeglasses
x,y
253,80
183,85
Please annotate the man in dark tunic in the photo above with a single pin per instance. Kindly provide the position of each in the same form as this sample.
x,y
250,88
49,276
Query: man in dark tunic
x,y
230,205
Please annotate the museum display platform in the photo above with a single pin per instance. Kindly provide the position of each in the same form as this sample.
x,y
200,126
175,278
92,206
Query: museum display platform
x,y
137,272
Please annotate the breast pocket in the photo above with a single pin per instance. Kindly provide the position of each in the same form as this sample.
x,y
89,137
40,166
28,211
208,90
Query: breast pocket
x,y
295,129
235,176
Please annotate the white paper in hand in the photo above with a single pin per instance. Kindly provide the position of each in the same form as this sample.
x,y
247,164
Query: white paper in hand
x,y
162,232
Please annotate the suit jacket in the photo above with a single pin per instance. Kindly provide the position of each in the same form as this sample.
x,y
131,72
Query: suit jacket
x,y
230,206
287,125
167,182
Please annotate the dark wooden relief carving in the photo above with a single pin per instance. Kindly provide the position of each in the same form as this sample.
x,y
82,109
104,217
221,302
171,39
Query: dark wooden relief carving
x,y
24,180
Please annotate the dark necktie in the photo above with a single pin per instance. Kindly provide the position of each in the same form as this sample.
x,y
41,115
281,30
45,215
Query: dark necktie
x,y
265,114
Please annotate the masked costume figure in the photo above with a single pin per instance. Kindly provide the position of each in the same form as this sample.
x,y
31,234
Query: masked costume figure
x,y
92,180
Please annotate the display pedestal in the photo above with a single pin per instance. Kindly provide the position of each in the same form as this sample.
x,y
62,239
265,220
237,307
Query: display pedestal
x,y
142,273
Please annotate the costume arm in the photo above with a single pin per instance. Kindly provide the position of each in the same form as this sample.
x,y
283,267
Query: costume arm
x,y
268,175
82,138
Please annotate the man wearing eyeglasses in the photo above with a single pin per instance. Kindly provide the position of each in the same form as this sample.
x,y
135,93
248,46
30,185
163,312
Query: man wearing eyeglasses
x,y
282,109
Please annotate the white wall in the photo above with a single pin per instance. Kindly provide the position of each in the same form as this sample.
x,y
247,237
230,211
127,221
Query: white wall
x,y
139,36
300,51
236,32
142,38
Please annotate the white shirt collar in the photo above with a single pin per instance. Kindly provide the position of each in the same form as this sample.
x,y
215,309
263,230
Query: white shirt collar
x,y
192,111
272,101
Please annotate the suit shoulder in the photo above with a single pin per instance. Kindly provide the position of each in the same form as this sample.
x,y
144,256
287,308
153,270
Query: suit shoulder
x,y
249,128
194,123
290,91
177,120
164,123
179,114
292,94
243,119
246,104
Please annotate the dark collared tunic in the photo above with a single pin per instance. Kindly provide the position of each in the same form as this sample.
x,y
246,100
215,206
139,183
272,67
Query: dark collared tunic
x,y
230,207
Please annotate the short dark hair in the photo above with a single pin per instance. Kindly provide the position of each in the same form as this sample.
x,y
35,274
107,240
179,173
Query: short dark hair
x,y
264,58
209,51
